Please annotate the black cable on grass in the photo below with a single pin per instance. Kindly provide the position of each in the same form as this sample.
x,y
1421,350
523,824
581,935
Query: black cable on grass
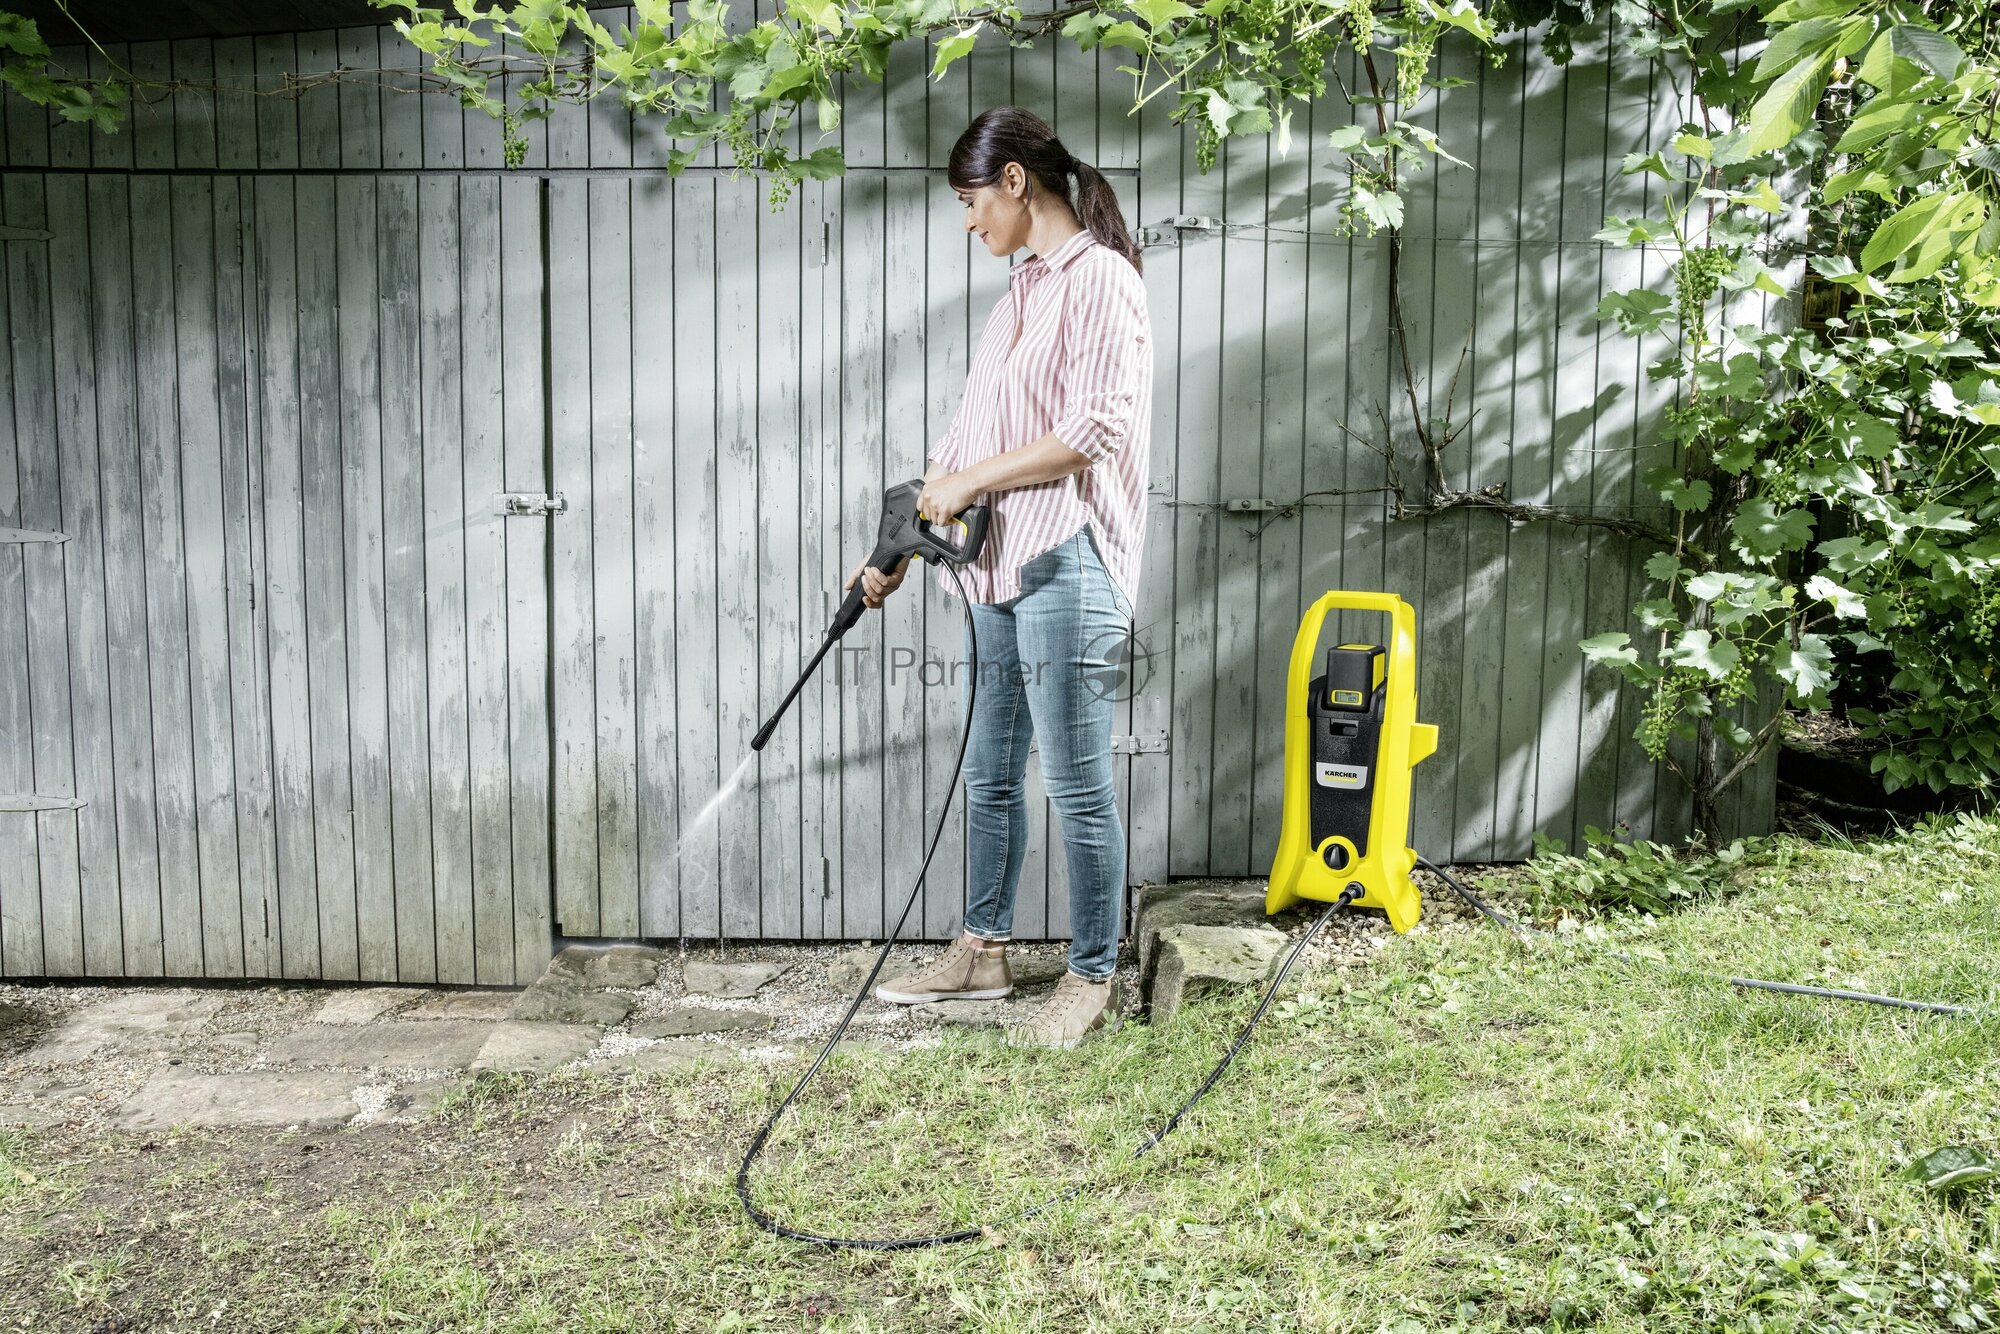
x,y
1493,914
763,1135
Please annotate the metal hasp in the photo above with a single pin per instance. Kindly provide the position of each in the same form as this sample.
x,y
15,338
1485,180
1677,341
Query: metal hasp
x,y
1351,739
529,502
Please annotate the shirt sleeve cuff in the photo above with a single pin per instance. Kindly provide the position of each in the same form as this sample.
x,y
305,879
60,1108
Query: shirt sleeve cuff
x,y
1087,437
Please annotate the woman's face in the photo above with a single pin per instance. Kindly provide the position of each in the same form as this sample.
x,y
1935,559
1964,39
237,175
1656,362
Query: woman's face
x,y
998,213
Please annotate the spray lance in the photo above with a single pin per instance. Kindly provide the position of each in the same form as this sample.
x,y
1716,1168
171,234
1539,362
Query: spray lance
x,y
902,532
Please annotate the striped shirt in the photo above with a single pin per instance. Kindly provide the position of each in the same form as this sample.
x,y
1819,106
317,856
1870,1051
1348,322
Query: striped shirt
x,y
1083,368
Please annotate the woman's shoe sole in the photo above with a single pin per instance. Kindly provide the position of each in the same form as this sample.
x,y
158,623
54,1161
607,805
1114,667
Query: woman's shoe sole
x,y
925,998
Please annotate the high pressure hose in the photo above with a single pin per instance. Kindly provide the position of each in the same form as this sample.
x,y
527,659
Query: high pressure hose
x,y
763,1135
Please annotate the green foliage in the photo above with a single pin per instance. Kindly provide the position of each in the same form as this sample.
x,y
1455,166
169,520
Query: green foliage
x,y
1833,488
27,67
1235,67
1649,877
1952,1168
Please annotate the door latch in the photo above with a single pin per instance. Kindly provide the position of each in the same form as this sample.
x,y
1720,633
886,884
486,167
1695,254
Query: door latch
x,y
529,503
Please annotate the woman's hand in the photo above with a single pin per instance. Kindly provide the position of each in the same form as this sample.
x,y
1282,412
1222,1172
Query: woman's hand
x,y
875,585
940,500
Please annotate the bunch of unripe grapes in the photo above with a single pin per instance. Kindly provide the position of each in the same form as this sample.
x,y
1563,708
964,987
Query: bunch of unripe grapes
x,y
1656,721
1982,615
1697,276
1736,684
1413,61
1361,23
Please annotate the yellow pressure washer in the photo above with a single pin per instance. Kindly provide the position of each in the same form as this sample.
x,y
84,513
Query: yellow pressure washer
x,y
1351,739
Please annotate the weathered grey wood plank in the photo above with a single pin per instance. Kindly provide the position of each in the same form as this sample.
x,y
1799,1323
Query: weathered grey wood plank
x,y
129,788
862,676
404,120
819,552
656,577
235,104
1155,197
197,325
277,115
523,426
739,511
487,727
360,418
1469,740
696,570
948,332
1197,531
284,590
614,555
161,505
444,123
403,536
238,368
321,485
906,817
1280,473
20,888
109,949
1445,205
70,141
65,662
319,108
609,123
445,518
1522,705
194,114
360,100
150,132
780,633
578,910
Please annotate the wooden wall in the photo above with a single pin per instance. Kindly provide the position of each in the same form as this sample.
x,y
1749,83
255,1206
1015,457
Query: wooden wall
x,y
292,700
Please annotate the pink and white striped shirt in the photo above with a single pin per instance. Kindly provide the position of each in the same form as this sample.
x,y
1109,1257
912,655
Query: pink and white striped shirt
x,y
1082,367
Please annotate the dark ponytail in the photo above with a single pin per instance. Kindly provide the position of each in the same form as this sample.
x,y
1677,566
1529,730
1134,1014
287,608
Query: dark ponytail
x,y
1012,134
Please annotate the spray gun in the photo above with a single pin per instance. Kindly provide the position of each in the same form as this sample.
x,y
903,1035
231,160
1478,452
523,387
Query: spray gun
x,y
903,532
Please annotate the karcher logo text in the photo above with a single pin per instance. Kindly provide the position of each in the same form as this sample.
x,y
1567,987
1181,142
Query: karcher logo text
x,y
1348,776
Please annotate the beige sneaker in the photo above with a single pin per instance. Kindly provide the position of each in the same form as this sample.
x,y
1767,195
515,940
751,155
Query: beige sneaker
x,y
960,973
1079,1007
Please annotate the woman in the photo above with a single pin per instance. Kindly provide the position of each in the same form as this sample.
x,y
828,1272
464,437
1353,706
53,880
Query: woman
x,y
1053,433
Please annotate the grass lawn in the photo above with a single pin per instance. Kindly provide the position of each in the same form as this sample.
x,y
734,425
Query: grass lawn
x,y
1468,1134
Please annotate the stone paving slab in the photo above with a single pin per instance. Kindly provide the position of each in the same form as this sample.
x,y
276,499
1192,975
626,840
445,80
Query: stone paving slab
x,y
533,1048
364,1005
688,1020
312,1098
563,999
670,1056
732,981
141,1019
433,1044
487,1005
1201,960
418,1100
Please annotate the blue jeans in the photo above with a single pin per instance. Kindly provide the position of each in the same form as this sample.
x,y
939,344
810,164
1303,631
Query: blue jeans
x,y
1040,655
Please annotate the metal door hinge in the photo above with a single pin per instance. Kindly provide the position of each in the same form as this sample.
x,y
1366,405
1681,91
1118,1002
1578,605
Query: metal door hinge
x,y
30,535
1167,231
39,803
1150,743
529,503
